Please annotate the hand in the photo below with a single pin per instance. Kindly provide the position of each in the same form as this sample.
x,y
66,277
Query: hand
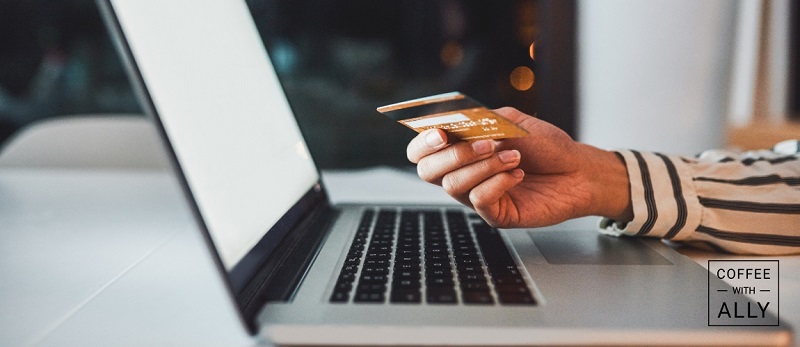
x,y
542,179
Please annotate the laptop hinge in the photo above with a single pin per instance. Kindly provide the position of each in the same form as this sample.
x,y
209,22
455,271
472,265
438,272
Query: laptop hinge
x,y
282,272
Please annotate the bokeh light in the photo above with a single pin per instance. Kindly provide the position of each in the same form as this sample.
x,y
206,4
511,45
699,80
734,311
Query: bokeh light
x,y
451,54
522,78
532,50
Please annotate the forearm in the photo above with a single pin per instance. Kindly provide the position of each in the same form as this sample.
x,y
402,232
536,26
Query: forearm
x,y
738,203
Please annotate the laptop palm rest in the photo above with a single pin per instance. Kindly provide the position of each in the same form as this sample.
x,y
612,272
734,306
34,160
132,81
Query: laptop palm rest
x,y
573,248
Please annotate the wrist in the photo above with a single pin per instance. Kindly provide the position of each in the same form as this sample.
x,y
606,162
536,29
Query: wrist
x,y
608,175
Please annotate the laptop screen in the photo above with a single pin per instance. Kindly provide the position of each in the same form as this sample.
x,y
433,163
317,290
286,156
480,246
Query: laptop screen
x,y
222,107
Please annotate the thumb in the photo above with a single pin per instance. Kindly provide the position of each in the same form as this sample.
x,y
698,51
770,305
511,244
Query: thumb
x,y
517,117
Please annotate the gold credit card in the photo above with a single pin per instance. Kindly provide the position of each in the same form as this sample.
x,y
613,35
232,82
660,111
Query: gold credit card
x,y
455,113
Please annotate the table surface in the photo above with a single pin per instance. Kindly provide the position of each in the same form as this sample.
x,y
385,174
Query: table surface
x,y
94,257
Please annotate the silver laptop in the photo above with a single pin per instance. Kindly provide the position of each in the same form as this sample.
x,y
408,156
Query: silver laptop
x,y
302,271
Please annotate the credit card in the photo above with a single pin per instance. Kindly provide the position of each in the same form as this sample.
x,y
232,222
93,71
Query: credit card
x,y
455,113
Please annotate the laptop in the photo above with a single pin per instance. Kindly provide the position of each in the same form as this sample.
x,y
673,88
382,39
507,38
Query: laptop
x,y
303,271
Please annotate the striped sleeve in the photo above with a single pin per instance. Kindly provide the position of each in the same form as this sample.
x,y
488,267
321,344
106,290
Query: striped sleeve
x,y
744,203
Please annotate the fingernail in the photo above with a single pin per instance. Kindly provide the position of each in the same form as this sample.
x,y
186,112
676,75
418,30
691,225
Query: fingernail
x,y
433,139
509,156
483,147
518,173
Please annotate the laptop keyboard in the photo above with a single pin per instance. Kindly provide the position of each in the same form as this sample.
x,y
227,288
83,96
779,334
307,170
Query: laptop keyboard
x,y
429,256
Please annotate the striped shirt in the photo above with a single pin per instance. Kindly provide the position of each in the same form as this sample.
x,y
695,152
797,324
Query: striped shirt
x,y
745,203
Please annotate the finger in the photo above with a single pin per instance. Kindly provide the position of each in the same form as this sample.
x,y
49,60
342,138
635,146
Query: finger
x,y
514,115
460,182
433,167
485,197
425,143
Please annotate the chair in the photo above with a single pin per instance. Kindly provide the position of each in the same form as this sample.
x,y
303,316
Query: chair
x,y
114,142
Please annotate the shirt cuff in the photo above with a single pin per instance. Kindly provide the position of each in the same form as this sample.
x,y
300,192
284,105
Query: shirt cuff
x,y
663,197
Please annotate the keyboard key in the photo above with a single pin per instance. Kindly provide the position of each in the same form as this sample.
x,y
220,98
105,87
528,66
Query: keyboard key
x,y
521,299
436,250
380,250
463,246
439,273
468,286
407,240
407,267
375,270
379,262
508,279
382,239
441,295
403,259
340,296
438,265
406,283
441,257
436,245
374,278
406,296
344,286
407,275
504,270
371,287
468,261
378,255
469,269
411,252
358,253
352,261
471,277
433,238
512,288
478,297
439,281
347,276
369,297
350,268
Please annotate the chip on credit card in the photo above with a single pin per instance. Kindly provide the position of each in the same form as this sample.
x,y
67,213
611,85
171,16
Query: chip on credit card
x,y
455,113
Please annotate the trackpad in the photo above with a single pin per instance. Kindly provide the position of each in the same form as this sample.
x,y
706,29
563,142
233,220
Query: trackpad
x,y
565,247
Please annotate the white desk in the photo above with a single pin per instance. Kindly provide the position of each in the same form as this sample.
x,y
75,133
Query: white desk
x,y
113,258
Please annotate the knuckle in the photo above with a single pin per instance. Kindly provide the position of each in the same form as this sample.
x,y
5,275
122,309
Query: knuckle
x,y
424,171
451,184
477,198
412,152
417,149
409,155
458,155
489,165
421,171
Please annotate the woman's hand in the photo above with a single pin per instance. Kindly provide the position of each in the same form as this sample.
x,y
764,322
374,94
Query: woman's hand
x,y
542,179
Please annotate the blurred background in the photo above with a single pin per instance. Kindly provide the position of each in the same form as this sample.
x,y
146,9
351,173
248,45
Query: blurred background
x,y
674,76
